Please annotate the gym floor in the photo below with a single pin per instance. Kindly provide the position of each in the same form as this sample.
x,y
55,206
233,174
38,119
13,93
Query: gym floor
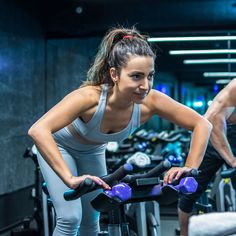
x,y
169,221
168,225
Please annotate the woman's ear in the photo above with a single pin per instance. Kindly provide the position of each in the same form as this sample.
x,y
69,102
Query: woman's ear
x,y
114,74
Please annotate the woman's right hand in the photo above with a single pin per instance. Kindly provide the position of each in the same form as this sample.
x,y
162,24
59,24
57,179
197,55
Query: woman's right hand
x,y
74,181
233,163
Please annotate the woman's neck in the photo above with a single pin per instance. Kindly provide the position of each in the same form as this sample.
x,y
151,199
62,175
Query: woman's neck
x,y
117,100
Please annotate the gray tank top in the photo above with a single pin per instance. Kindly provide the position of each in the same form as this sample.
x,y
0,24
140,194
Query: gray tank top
x,y
91,130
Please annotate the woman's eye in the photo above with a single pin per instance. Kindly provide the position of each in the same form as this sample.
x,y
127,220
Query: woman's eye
x,y
136,77
139,77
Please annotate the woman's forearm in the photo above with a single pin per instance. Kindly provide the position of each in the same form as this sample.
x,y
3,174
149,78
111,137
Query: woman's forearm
x,y
47,147
199,141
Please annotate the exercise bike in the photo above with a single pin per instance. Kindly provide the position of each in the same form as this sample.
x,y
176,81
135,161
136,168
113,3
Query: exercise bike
x,y
133,189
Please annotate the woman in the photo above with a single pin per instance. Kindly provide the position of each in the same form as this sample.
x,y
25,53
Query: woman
x,y
115,100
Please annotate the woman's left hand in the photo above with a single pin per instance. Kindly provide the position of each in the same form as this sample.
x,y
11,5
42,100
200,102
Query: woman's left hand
x,y
175,173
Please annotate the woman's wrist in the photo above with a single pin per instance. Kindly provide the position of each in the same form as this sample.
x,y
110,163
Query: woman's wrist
x,y
191,166
69,181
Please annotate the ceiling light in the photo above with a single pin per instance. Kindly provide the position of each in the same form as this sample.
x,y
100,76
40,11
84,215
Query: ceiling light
x,y
209,102
209,61
219,74
195,38
211,51
223,81
79,10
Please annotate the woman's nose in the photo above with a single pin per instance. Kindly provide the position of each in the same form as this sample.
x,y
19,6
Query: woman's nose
x,y
145,84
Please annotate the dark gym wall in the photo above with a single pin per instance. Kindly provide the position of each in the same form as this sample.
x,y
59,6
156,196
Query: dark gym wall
x,y
21,88
34,75
67,63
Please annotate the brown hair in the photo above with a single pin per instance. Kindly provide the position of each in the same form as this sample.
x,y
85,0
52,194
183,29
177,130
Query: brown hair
x,y
114,51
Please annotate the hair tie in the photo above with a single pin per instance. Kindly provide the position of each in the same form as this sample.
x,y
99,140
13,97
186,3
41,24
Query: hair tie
x,y
128,37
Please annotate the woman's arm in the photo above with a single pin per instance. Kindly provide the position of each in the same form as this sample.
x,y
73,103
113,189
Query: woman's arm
x,y
62,114
181,115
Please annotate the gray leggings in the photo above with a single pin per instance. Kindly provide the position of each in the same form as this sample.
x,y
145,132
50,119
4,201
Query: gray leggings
x,y
75,218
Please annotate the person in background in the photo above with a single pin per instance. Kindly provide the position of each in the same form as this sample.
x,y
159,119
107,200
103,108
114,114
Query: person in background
x,y
116,99
221,149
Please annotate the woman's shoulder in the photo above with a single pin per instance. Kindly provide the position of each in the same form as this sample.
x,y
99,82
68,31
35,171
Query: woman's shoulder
x,y
90,89
155,99
154,94
90,93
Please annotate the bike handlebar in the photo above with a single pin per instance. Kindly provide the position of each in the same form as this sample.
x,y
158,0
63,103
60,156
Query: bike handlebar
x,y
155,172
88,185
228,173
191,173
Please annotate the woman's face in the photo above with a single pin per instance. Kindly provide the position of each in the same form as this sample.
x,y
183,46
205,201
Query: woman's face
x,y
136,78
